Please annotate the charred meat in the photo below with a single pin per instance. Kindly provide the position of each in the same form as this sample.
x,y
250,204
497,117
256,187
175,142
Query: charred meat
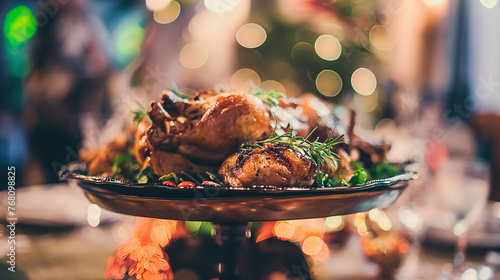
x,y
272,165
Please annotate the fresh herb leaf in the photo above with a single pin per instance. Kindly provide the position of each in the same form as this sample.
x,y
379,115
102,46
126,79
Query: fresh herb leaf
x,y
170,177
125,166
140,114
385,170
269,96
319,152
359,177
178,93
146,175
188,177
215,178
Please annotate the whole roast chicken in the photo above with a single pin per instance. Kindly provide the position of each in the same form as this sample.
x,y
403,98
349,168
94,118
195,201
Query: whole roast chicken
x,y
205,133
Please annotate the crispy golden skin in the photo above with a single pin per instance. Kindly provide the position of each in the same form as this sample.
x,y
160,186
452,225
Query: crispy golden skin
x,y
275,165
209,128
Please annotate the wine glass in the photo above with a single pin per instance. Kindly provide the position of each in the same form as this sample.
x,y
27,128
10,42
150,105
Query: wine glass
x,y
462,187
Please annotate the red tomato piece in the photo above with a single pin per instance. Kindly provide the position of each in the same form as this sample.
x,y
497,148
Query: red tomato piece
x,y
186,184
169,183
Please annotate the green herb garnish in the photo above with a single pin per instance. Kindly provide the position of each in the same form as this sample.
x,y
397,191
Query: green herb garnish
x,y
268,96
319,152
179,94
170,177
146,175
140,114
359,177
385,170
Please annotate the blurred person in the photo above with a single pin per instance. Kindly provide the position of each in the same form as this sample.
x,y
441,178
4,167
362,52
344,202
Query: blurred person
x,y
68,78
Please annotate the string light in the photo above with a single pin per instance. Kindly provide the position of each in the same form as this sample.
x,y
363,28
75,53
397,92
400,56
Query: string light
x,y
382,38
490,4
194,55
251,35
363,81
93,215
168,14
221,6
156,5
329,83
328,47
245,78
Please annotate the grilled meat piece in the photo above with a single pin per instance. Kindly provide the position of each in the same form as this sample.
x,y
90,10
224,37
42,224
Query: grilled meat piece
x,y
208,128
275,165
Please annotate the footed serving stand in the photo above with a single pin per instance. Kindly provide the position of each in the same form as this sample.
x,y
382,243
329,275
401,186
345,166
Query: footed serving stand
x,y
230,210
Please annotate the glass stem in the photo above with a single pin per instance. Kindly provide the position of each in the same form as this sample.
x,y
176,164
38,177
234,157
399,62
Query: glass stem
x,y
460,230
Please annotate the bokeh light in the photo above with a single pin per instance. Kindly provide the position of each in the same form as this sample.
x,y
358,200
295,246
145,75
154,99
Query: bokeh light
x,y
379,216
382,38
194,55
245,78
333,29
19,26
168,14
328,47
205,26
128,44
221,6
328,83
363,81
366,103
334,223
490,4
272,84
251,35
302,50
312,245
433,3
283,230
93,215
156,5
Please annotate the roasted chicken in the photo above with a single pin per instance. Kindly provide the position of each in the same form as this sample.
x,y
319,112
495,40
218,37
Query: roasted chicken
x,y
274,165
204,133
209,128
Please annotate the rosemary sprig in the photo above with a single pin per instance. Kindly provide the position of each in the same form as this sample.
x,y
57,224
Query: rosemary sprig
x,y
140,114
178,93
270,96
319,152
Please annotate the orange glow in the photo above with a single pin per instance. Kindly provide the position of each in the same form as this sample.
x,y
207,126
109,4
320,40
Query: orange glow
x,y
277,275
312,245
161,235
265,231
143,254
283,230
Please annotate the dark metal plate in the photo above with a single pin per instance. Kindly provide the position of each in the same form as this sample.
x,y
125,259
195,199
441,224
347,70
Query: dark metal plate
x,y
237,205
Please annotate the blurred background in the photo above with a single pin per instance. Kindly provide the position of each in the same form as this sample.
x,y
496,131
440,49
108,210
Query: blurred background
x,y
72,69
422,74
